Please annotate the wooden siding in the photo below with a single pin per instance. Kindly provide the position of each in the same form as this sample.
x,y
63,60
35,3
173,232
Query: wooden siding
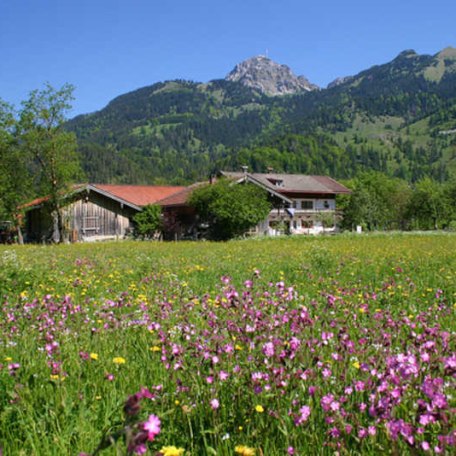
x,y
89,217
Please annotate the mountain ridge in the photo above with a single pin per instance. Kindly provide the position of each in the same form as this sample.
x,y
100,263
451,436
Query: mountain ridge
x,y
388,117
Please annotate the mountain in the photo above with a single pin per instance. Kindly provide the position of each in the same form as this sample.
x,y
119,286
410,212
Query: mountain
x,y
339,81
398,117
269,77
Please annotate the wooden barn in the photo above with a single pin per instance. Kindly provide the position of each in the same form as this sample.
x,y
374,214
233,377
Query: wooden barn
x,y
93,212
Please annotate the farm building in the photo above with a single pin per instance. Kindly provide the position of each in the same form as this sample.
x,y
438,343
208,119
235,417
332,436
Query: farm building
x,y
93,212
301,204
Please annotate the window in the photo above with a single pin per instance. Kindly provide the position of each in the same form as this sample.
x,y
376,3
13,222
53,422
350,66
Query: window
x,y
307,204
91,224
276,182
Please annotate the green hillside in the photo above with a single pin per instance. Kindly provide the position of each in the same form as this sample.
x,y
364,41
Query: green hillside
x,y
398,118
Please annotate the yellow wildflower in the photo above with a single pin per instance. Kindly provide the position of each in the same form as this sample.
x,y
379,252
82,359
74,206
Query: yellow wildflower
x,y
171,451
244,450
155,348
57,377
356,365
259,408
94,356
119,360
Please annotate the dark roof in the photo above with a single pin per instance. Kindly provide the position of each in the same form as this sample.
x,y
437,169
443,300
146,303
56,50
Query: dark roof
x,y
180,198
291,183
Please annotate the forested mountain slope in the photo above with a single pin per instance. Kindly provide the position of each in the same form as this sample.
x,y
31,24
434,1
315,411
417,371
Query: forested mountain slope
x,y
399,118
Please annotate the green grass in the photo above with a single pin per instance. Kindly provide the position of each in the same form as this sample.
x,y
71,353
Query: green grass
x,y
142,301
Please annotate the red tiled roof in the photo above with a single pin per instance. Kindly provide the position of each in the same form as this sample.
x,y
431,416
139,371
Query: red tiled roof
x,y
140,195
42,199
35,202
180,198
137,195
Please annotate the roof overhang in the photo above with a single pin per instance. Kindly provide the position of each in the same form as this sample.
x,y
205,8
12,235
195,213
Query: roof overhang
x,y
80,189
94,188
271,191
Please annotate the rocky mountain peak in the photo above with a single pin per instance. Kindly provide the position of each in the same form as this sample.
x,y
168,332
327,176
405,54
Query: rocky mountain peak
x,y
269,77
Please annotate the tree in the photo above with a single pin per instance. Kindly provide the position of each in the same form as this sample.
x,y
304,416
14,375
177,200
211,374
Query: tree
x,y
450,198
15,178
377,202
6,147
230,209
149,221
51,148
429,207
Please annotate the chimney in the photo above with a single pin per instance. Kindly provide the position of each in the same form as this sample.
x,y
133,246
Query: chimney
x,y
244,169
270,169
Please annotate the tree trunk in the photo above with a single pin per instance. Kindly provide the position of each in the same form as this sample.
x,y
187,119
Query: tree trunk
x,y
20,237
60,226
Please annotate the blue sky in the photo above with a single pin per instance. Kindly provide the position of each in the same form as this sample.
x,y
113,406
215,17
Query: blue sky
x,y
109,47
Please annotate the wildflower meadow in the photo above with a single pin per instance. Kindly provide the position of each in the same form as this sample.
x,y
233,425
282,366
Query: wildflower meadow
x,y
289,346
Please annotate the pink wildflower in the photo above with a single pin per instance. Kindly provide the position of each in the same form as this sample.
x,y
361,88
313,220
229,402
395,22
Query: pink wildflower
x,y
152,426
268,349
304,413
223,375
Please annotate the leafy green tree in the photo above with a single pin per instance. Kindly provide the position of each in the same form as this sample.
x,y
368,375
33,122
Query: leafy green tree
x,y
429,207
6,147
49,146
15,178
148,222
450,198
377,202
230,209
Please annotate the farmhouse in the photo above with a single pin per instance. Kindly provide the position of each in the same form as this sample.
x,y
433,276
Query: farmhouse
x,y
93,212
301,205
